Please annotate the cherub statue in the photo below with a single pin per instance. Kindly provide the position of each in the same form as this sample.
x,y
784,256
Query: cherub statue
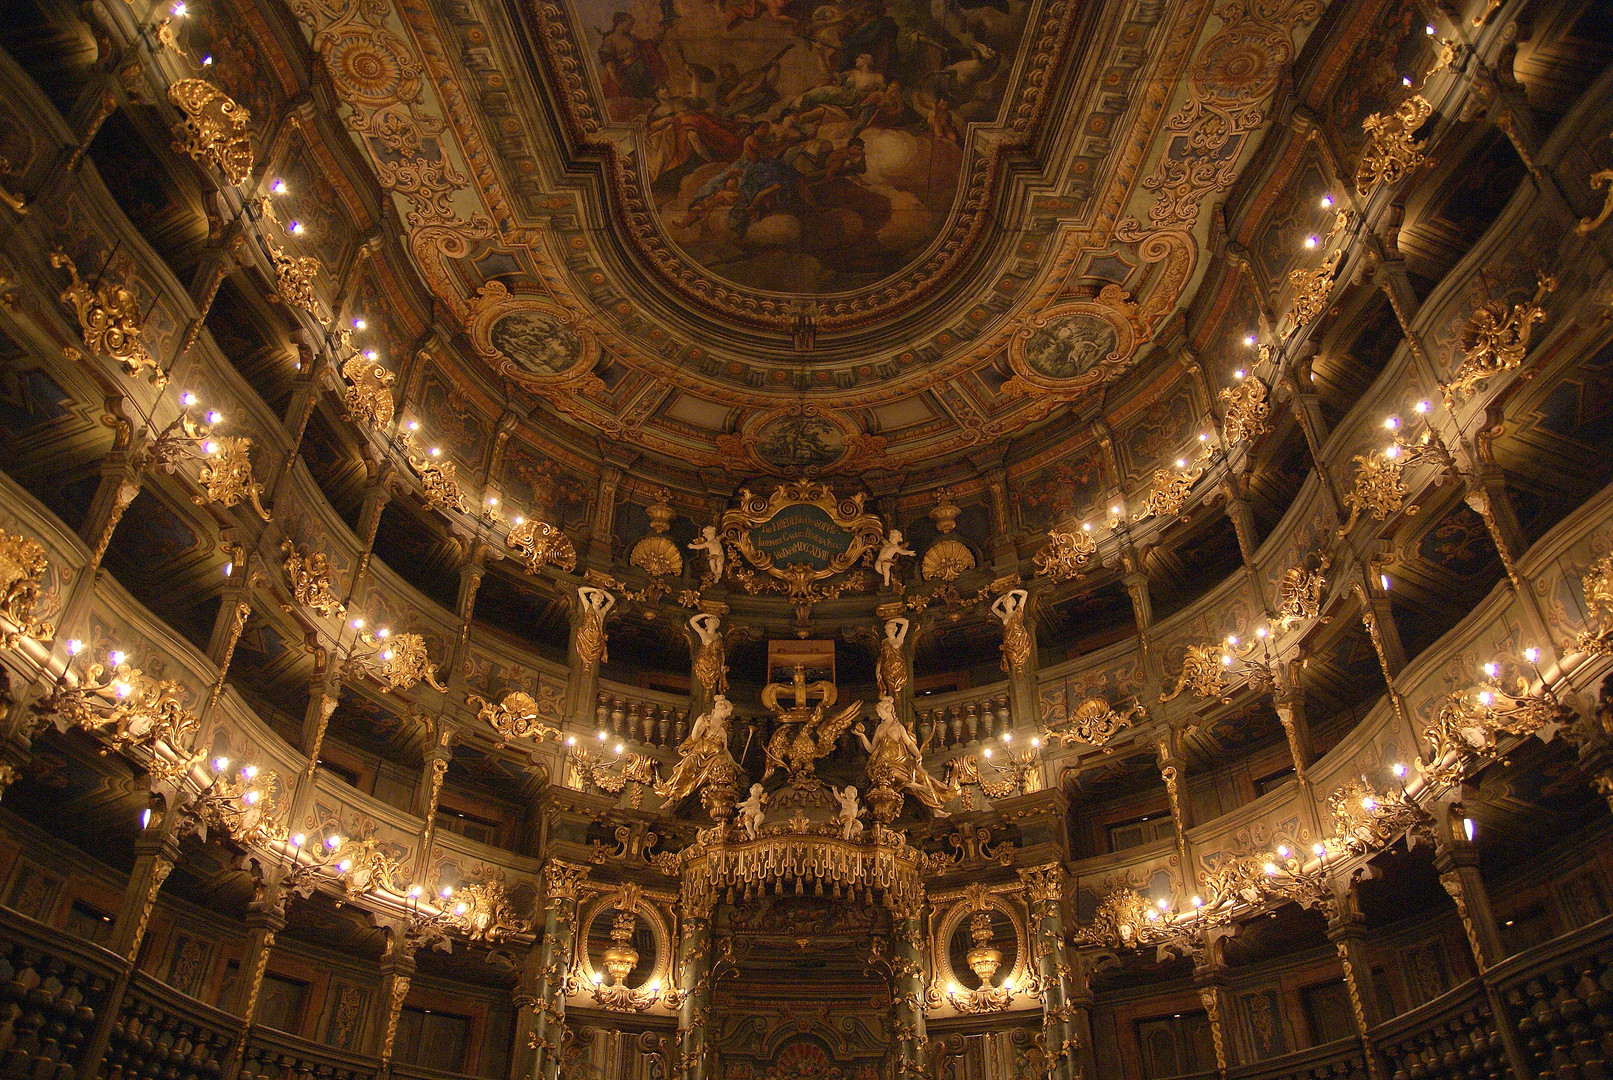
x,y
850,811
885,561
895,760
750,811
711,544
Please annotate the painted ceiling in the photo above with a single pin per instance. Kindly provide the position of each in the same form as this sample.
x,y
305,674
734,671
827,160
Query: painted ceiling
x,y
804,237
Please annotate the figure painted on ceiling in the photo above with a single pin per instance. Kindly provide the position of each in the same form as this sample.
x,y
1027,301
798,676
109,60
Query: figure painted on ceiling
x,y
631,67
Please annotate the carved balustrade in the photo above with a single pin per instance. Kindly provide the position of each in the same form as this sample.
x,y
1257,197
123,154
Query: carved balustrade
x,y
1560,997
1340,1060
274,1055
1452,1037
161,1034
963,718
641,716
52,989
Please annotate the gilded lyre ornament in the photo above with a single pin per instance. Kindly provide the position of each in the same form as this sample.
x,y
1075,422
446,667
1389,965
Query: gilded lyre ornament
x,y
226,475
1392,150
436,475
215,129
22,572
1597,585
311,581
109,318
1204,671
1598,180
1496,339
1365,821
538,542
1246,410
1016,645
1065,555
1299,593
1170,493
1465,729
1093,722
397,661
294,279
514,717
368,399
596,604
1312,288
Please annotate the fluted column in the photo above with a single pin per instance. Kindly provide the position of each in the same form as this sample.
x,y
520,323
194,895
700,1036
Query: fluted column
x,y
561,883
1044,894
908,968
694,984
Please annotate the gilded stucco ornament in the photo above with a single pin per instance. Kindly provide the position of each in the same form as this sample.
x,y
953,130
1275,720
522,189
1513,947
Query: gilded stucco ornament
x,y
1392,150
368,397
1067,350
1312,288
1598,181
1066,555
1597,585
1365,821
1258,879
805,730
482,909
799,439
1496,339
1379,489
109,319
1204,671
312,581
704,760
1170,494
396,661
1247,413
896,767
515,716
1093,722
249,807
22,572
1300,590
710,668
946,560
1016,644
595,604
538,542
437,479
215,130
226,474
767,532
127,706
532,342
657,556
1464,732
1124,919
295,276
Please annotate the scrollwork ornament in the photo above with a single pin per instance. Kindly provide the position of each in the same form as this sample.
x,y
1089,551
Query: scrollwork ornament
x,y
294,279
368,398
1464,732
1597,585
109,320
1379,489
1170,493
226,474
397,661
1065,555
515,716
538,542
311,581
127,706
1365,821
1204,671
437,479
1496,339
1299,593
1246,411
1392,150
1093,722
215,130
22,571
1311,290
1601,179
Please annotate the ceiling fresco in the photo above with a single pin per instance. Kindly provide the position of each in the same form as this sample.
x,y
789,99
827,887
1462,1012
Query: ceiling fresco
x,y
804,238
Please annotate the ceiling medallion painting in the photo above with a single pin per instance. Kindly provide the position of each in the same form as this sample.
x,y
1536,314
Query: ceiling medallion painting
x,y
530,341
1069,349
800,440
802,147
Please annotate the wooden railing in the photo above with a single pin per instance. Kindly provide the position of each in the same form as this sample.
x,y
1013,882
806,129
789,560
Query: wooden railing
x,y
1341,1060
161,1034
52,991
1560,998
275,1055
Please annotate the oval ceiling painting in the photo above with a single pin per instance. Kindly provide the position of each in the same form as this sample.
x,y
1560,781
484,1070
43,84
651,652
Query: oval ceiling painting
x,y
801,146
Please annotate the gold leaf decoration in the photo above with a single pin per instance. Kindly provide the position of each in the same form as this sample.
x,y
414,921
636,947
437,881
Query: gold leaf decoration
x,y
215,130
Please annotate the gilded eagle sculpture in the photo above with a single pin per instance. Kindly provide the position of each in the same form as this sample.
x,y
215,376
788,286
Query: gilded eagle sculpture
x,y
805,733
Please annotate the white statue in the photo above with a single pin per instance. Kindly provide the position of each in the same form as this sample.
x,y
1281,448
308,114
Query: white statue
x,y
885,561
850,811
711,544
750,811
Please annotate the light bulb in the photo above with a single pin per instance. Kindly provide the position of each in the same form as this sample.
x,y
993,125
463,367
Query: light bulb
x,y
987,751
1318,850
1282,851
1392,422
1485,697
1383,579
116,657
250,772
1181,463
371,354
1531,654
571,740
617,749
296,841
1398,769
359,324
187,399
1008,736
1240,373
279,187
209,447
1405,80
296,228
250,798
1249,340
1327,202
74,646
207,61
1469,828
1489,669
1036,744
220,764
1369,803
1270,868
145,818
1421,407
414,891
214,416
1310,242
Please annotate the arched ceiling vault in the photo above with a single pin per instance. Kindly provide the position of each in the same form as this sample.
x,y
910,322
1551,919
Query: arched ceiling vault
x,y
787,237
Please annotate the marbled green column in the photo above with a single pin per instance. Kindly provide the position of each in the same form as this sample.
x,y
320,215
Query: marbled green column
x,y
1044,893
694,984
908,967
561,882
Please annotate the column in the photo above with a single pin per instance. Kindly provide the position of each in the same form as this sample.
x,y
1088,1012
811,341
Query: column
x,y
432,773
376,496
601,532
470,581
397,970
694,984
120,483
227,626
1023,708
1457,860
1209,975
561,883
1044,897
265,917
1142,610
1487,495
525,999
1078,1010
908,967
1004,557
305,394
1289,701
1346,928
1170,771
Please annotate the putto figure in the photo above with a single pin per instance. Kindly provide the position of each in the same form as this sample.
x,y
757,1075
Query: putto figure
x,y
885,561
850,811
711,544
750,811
